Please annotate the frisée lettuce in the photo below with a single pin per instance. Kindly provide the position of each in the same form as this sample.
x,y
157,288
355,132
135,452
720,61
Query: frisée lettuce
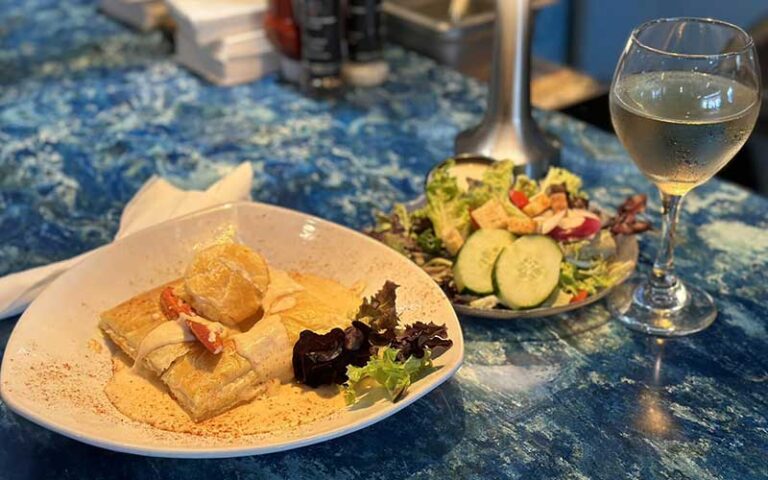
x,y
387,371
574,280
526,185
494,186
561,176
448,210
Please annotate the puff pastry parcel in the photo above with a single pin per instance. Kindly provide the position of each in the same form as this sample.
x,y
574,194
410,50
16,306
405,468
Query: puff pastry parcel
x,y
258,325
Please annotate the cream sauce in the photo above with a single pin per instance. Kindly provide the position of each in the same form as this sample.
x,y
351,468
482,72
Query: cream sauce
x,y
464,171
283,304
279,296
268,349
215,328
139,396
167,333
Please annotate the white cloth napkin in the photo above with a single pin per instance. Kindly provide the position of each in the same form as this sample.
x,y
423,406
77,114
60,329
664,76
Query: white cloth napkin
x,y
156,202
141,14
226,71
205,21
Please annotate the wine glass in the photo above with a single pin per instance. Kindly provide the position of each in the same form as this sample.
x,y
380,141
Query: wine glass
x,y
684,99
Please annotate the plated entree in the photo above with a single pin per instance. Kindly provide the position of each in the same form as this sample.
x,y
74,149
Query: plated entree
x,y
507,241
240,346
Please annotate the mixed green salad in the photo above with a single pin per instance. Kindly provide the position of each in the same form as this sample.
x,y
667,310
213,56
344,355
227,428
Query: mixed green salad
x,y
376,350
509,241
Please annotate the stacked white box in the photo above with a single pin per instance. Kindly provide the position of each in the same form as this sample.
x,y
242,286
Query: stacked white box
x,y
223,41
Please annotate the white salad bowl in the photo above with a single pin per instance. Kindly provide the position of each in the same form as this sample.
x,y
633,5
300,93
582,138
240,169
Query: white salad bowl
x,y
57,362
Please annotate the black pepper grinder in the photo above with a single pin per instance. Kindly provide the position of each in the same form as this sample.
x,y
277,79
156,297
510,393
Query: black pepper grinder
x,y
365,66
321,53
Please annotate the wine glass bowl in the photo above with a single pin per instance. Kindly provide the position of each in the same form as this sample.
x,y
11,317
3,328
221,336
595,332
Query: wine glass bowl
x,y
684,99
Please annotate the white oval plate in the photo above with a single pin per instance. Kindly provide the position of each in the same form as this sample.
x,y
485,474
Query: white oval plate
x,y
56,362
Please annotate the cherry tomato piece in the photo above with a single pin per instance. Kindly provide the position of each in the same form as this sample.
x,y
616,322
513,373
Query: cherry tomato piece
x,y
579,297
518,198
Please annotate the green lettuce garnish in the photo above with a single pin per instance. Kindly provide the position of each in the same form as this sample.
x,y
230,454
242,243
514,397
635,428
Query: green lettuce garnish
x,y
561,176
402,215
591,265
578,251
395,241
574,279
447,208
428,241
497,179
526,185
496,182
395,229
380,310
387,371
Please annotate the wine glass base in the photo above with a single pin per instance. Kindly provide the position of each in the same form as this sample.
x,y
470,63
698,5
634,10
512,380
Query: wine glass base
x,y
629,304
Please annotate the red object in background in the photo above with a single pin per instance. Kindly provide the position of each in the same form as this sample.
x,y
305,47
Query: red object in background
x,y
282,29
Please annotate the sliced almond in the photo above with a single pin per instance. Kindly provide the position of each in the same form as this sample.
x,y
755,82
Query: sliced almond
x,y
568,222
581,212
548,224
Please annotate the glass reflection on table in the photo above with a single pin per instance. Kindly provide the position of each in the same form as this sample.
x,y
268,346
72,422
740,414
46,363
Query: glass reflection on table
x,y
653,416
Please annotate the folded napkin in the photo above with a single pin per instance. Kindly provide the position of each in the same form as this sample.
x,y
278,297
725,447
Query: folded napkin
x,y
206,21
141,14
225,70
238,45
156,202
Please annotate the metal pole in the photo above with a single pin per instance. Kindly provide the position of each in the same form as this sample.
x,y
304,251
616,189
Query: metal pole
x,y
508,130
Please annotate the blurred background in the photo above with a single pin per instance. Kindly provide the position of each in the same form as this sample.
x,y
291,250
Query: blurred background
x,y
576,45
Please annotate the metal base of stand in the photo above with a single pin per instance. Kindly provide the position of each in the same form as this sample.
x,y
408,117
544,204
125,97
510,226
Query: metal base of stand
x,y
508,130
533,153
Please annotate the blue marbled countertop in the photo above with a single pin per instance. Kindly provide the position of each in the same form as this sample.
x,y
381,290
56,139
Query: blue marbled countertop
x,y
89,110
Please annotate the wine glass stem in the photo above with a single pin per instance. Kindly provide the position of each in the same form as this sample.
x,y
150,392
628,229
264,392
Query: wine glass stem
x,y
663,275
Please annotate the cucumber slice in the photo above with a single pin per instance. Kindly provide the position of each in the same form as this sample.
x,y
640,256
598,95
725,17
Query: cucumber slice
x,y
528,271
473,269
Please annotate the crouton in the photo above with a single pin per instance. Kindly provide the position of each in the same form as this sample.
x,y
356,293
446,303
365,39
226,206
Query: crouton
x,y
537,205
491,214
521,225
452,240
558,201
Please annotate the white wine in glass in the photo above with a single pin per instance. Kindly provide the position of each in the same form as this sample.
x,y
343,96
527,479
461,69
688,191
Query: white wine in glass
x,y
684,99
678,128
